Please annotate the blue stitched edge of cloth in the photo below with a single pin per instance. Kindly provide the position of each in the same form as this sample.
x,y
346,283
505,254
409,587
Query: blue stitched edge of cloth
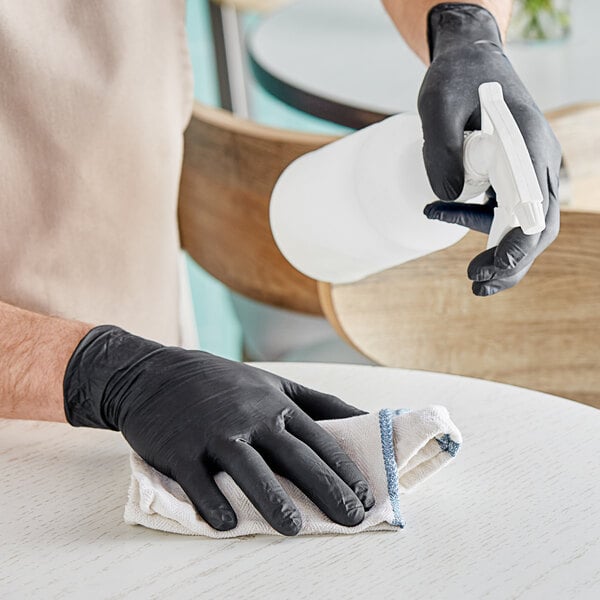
x,y
389,460
446,444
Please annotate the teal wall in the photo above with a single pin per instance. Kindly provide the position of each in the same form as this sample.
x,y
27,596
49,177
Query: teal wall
x,y
218,329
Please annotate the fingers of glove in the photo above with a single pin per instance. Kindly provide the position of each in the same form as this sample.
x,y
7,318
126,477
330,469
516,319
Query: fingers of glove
x,y
514,247
516,251
207,498
531,246
297,462
478,217
328,449
318,405
484,266
443,134
489,288
258,482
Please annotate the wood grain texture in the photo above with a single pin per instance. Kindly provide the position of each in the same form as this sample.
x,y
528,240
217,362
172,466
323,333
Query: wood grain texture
x,y
542,334
578,130
516,515
229,170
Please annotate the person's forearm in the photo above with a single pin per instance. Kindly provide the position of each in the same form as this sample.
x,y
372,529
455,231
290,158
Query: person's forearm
x,y
410,18
34,352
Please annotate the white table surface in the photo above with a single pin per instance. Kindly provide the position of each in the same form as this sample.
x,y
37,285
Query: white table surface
x,y
516,515
349,51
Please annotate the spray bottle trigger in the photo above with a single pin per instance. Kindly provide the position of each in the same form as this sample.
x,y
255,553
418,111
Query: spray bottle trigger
x,y
531,217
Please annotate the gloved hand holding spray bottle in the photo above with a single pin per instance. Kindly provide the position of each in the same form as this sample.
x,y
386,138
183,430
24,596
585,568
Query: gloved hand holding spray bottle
x,y
355,207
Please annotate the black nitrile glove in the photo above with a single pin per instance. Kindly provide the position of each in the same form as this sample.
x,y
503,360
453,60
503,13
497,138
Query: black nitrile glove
x,y
190,414
466,51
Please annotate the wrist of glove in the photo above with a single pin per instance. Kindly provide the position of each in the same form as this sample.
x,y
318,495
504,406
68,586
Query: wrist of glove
x,y
190,415
466,50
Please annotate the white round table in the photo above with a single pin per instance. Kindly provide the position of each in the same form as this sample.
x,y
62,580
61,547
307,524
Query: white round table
x,y
344,61
517,514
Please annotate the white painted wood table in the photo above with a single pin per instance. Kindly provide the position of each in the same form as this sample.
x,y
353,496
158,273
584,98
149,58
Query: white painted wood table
x,y
516,515
343,60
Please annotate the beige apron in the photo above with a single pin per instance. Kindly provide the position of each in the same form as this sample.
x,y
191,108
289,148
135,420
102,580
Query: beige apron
x,y
94,97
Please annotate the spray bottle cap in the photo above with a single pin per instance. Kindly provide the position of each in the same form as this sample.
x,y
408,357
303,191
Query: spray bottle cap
x,y
498,156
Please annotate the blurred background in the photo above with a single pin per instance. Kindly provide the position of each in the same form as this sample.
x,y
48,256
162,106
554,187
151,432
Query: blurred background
x,y
331,66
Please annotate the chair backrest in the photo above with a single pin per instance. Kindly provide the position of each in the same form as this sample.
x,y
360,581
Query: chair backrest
x,y
229,169
543,334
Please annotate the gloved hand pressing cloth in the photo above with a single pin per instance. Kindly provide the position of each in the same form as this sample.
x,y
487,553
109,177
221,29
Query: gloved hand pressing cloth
x,y
230,441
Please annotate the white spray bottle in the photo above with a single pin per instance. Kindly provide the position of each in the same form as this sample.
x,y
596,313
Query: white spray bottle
x,y
355,207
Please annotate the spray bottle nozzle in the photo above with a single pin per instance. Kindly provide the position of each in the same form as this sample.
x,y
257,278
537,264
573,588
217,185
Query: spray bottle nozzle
x,y
498,156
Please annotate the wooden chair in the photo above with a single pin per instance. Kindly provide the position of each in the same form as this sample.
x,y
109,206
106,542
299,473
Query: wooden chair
x,y
230,167
543,334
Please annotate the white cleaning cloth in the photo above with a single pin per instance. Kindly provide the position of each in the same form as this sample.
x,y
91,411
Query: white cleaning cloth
x,y
395,450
